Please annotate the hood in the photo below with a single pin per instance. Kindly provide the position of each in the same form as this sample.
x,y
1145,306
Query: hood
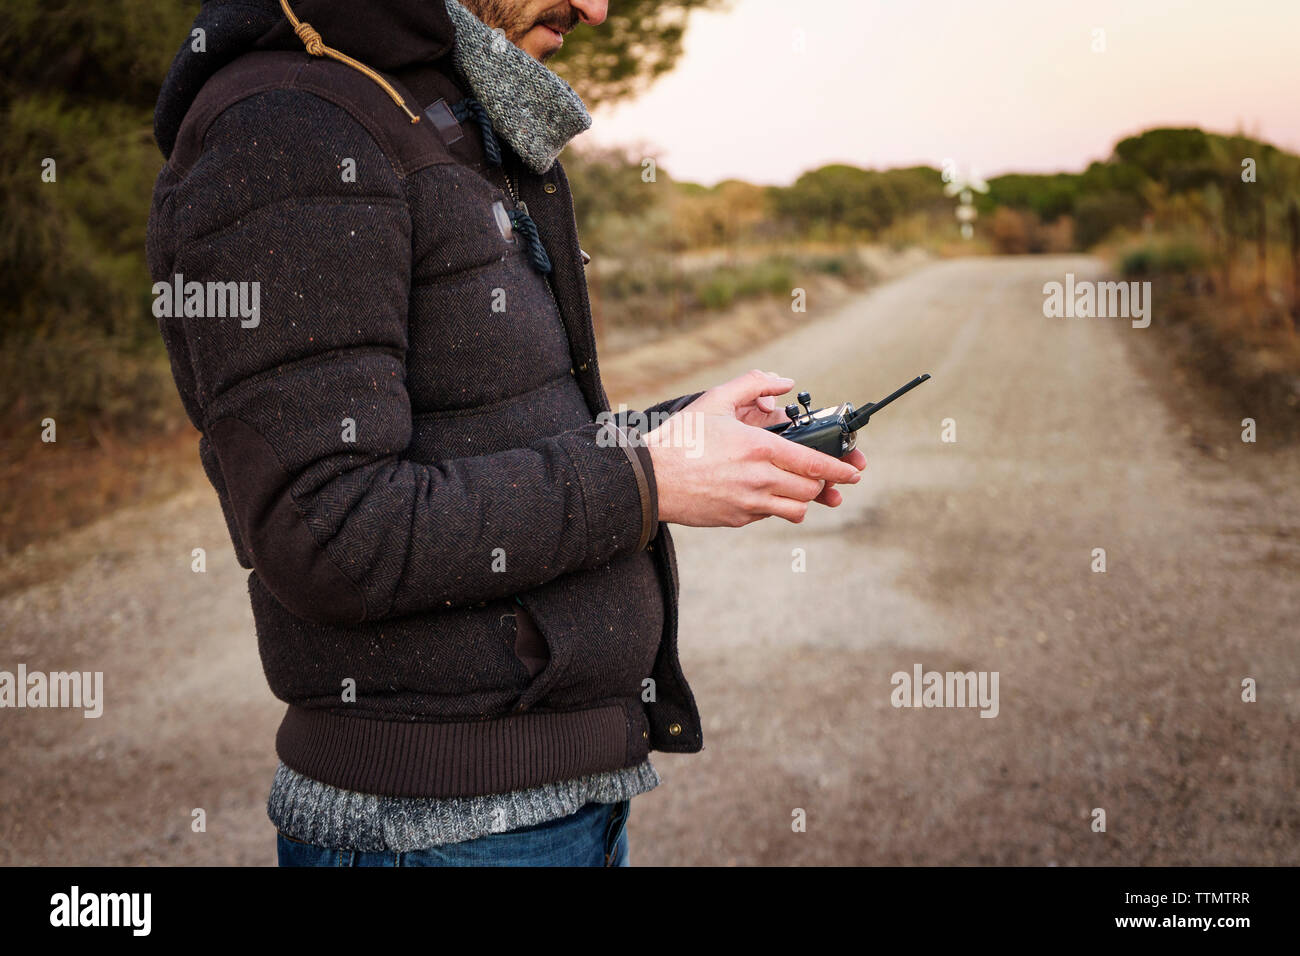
x,y
385,35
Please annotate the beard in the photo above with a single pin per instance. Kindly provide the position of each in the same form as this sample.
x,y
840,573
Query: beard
x,y
514,21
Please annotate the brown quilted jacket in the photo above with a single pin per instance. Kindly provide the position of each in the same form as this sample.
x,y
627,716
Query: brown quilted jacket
x,y
459,582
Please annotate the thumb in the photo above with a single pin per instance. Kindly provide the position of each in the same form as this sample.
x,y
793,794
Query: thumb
x,y
752,385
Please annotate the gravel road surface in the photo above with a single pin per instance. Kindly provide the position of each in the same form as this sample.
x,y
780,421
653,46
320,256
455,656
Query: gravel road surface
x,y
1118,690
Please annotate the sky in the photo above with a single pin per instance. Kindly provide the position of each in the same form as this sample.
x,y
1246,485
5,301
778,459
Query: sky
x,y
767,89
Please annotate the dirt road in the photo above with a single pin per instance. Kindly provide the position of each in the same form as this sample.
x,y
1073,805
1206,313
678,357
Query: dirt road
x,y
1119,690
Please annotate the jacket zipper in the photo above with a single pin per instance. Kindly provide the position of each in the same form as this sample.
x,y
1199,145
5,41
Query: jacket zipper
x,y
523,207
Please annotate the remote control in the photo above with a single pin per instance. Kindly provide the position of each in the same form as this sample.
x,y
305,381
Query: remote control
x,y
833,430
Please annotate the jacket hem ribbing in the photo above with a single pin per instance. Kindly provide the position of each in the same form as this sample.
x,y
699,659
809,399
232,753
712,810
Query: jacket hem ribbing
x,y
460,759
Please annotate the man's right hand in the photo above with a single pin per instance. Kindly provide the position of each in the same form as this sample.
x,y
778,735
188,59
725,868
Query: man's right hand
x,y
731,473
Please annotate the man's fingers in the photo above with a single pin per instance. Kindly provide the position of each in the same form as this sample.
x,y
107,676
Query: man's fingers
x,y
830,497
787,508
796,487
856,459
795,458
749,387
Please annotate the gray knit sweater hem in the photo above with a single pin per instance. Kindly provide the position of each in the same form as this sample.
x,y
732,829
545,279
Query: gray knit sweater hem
x,y
317,813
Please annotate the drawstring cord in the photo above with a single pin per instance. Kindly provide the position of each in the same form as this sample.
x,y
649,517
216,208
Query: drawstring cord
x,y
463,110
316,47
523,223
470,108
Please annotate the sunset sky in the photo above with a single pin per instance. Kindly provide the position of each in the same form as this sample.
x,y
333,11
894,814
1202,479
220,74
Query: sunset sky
x,y
995,85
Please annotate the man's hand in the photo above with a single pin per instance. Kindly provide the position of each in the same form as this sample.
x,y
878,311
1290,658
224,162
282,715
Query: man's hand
x,y
732,471
748,398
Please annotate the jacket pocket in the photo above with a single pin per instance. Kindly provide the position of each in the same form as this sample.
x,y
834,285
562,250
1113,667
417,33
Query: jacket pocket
x,y
530,645
534,626
602,628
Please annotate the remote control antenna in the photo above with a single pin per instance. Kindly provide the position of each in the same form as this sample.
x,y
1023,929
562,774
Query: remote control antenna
x,y
863,415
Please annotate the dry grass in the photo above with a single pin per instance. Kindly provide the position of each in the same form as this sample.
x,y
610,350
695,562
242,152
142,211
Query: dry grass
x,y
1242,347
56,487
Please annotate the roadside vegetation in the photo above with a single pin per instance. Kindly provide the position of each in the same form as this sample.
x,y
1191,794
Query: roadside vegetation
x,y
78,343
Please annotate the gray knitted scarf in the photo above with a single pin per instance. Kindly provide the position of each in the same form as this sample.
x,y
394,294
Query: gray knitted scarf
x,y
531,107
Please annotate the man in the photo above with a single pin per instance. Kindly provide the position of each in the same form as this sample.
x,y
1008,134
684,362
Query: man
x,y
461,575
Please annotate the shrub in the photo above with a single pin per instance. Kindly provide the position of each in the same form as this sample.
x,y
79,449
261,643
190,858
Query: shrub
x,y
1176,256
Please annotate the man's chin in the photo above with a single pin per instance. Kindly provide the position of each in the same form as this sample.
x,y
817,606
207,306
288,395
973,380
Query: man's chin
x,y
541,43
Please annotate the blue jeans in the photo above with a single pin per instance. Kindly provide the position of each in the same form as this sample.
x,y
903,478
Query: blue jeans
x,y
594,836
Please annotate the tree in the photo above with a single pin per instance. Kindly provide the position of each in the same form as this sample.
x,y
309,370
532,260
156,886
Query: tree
x,y
638,42
78,88
839,200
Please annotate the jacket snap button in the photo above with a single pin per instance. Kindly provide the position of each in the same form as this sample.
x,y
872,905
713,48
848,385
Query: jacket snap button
x,y
645,735
549,187
583,366
674,729
571,371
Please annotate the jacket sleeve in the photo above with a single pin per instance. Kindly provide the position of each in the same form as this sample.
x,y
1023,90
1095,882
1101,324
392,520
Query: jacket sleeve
x,y
639,422
304,398
673,405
